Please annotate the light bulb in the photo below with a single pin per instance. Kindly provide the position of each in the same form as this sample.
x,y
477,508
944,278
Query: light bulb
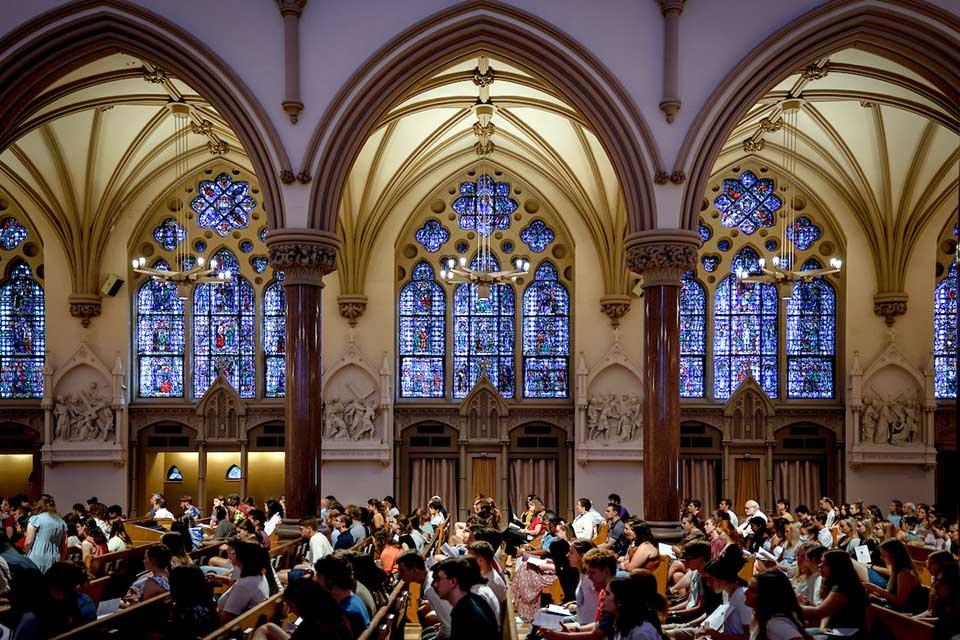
x,y
226,275
200,260
762,262
136,263
776,261
443,273
836,263
526,265
463,261
213,263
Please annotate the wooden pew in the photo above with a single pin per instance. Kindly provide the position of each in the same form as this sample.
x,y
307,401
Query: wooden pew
x,y
129,624
143,535
662,574
119,563
602,532
270,610
96,588
918,554
389,618
887,624
509,616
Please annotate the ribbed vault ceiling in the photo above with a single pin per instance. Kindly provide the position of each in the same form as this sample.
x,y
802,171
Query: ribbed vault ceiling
x,y
429,136
873,135
99,141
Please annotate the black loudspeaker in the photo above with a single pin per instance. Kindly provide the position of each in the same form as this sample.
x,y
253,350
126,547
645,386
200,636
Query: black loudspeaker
x,y
111,286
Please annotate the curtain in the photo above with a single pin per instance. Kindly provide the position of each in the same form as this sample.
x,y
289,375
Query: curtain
x,y
537,476
698,480
433,477
798,481
483,472
746,482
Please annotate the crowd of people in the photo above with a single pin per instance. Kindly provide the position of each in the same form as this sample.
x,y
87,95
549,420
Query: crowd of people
x,y
795,574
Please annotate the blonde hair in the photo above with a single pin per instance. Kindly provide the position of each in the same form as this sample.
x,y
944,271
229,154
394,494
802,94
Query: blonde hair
x,y
45,504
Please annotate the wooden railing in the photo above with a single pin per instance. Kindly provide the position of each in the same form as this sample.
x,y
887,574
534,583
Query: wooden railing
x,y
270,610
132,622
390,619
887,624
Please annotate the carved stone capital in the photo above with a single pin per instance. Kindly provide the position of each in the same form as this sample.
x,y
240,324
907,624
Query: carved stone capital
x,y
661,256
291,7
813,72
751,145
615,307
352,307
670,109
84,306
670,6
287,177
293,109
304,255
890,304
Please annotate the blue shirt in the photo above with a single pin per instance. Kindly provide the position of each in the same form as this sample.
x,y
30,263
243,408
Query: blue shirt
x,y
356,612
548,539
344,541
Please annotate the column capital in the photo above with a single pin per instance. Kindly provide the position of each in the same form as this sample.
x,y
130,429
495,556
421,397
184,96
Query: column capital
x,y
661,256
671,6
890,304
291,7
304,255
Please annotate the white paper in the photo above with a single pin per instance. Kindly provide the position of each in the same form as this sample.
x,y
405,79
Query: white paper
x,y
557,609
537,562
863,554
841,632
546,620
666,550
767,556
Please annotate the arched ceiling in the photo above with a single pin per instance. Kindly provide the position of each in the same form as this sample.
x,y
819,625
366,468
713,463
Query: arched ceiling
x,y
872,134
428,137
99,141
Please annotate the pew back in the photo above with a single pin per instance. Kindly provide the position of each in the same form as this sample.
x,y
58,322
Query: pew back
x,y
270,610
131,623
887,624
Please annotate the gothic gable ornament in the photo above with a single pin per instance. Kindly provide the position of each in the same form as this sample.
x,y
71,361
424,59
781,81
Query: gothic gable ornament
x,y
222,411
609,414
747,414
890,412
484,411
85,412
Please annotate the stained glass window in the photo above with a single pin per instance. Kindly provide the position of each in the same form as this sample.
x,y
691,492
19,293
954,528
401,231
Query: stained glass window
x,y
537,236
507,247
705,232
803,233
546,335
274,338
693,336
263,234
484,205
22,334
771,244
710,263
423,313
169,234
174,474
483,334
200,246
223,205
744,330
12,233
945,335
223,331
462,246
811,337
233,473
432,235
747,202
160,338
246,246
723,244
260,263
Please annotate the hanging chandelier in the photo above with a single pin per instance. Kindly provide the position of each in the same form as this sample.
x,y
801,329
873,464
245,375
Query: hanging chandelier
x,y
782,271
453,271
179,274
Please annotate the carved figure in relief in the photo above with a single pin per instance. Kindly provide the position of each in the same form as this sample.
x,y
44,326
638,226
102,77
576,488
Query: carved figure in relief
x,y
86,416
354,419
886,419
334,419
609,414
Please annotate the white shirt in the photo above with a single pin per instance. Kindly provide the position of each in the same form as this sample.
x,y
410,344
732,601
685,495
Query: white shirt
x,y
162,512
270,525
443,608
734,520
583,526
831,518
778,628
245,594
436,520
497,585
319,547
737,618
645,631
587,600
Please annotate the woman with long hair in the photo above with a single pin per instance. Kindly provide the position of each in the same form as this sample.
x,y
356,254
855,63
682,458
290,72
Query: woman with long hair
x,y
274,513
904,591
252,588
192,614
776,613
178,555
790,544
320,615
843,600
722,578
93,541
45,539
119,539
586,594
644,553
849,539
629,602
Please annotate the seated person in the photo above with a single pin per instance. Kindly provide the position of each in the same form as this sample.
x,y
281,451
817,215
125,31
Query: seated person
x,y
471,616
63,609
843,602
225,527
484,554
335,574
699,599
643,552
601,568
904,592
318,547
551,525
252,586
345,539
616,537
319,613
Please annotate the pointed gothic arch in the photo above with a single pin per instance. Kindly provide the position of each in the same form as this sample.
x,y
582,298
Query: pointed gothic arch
x,y
461,32
61,40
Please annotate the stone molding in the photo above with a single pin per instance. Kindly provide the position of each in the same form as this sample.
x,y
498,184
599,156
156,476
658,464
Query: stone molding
x,y
85,306
304,255
352,307
890,304
615,306
662,256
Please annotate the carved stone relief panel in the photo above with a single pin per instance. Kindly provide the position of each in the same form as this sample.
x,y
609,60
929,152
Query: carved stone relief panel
x,y
351,407
614,417
85,415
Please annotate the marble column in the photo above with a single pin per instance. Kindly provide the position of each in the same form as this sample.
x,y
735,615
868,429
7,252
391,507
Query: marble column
x,y
660,257
304,256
